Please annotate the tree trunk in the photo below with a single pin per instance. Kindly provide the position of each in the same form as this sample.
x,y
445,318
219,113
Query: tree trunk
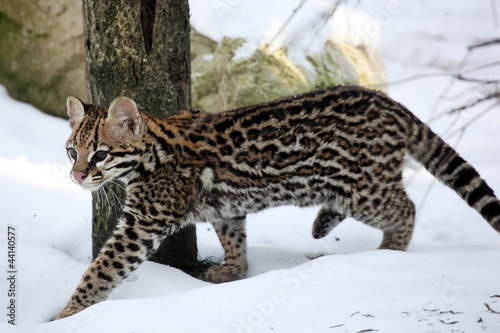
x,y
140,49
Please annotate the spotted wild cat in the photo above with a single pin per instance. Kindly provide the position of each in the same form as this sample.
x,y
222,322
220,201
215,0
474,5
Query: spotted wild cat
x,y
341,148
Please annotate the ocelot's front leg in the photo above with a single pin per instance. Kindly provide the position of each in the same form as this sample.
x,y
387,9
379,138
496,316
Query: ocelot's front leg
x,y
129,246
233,238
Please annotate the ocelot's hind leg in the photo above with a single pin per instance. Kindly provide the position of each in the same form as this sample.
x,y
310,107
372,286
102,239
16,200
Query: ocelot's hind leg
x,y
395,215
233,238
326,220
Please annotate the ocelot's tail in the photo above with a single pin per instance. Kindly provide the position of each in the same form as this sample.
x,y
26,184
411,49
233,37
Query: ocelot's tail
x,y
447,166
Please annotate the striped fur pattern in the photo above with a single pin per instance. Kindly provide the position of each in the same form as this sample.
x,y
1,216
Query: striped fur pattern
x,y
341,148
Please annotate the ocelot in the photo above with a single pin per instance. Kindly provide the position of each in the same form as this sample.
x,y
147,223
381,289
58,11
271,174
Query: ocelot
x,y
341,148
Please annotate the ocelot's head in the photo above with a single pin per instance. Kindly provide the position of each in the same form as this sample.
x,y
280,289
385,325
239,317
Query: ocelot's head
x,y
106,141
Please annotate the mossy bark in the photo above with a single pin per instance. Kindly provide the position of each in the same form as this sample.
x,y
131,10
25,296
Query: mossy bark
x,y
140,49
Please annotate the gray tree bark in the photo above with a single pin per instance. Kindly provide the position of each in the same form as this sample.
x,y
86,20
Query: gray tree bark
x,y
140,49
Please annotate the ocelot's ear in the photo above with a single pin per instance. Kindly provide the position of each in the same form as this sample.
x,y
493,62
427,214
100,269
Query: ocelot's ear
x,y
124,115
76,110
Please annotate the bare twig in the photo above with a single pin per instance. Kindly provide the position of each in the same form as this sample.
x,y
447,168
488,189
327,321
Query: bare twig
x,y
484,43
335,326
288,20
324,18
482,66
464,92
490,309
355,313
411,78
450,312
430,310
493,95
478,116
462,77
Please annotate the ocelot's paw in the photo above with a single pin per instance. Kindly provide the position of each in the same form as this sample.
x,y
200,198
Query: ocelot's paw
x,y
225,273
325,222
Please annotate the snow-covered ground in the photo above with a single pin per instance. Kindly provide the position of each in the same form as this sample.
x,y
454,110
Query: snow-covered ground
x,y
448,281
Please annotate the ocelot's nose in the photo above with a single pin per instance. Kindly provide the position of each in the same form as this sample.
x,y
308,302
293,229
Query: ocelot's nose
x,y
80,176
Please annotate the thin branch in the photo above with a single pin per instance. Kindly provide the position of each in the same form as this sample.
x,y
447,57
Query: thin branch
x,y
462,77
483,66
462,93
410,79
458,76
490,309
325,18
484,43
288,20
478,116
475,102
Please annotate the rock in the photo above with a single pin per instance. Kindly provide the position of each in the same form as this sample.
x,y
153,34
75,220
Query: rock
x,y
41,57
244,53
220,81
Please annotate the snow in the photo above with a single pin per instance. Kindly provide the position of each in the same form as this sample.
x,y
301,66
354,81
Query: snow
x,y
445,282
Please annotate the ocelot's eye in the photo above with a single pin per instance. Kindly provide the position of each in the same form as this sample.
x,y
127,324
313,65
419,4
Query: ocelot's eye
x,y
72,153
99,156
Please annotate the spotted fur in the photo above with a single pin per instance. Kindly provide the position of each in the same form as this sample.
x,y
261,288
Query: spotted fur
x,y
341,148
